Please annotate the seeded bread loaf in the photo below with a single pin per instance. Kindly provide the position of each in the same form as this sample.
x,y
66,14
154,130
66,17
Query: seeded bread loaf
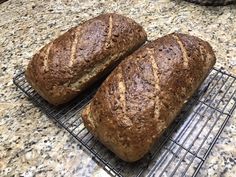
x,y
72,62
145,92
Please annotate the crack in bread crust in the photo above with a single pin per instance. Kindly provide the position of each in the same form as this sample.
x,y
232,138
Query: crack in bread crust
x,y
45,61
100,67
122,93
73,48
156,75
109,33
110,28
184,52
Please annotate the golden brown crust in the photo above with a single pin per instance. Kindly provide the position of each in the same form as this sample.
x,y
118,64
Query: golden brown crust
x,y
78,58
144,94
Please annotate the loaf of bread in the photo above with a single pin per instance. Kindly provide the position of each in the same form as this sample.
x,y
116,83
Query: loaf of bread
x,y
145,93
78,58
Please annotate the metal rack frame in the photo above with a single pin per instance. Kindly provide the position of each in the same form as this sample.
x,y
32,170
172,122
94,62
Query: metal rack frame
x,y
183,148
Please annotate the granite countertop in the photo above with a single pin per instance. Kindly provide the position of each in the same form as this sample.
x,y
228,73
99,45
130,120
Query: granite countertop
x,y
31,144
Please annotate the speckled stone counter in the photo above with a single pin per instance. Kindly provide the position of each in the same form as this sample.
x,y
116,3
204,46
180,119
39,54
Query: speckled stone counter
x,y
31,144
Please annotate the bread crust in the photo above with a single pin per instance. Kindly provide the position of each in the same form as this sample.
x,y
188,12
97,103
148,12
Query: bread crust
x,y
145,93
71,63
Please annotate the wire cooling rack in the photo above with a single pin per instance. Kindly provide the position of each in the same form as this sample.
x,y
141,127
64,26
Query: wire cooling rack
x,y
183,148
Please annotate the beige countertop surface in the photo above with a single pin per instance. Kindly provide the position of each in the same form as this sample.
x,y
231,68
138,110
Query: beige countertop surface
x,y
30,143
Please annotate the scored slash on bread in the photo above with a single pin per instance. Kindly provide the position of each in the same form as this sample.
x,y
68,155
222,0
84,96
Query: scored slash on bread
x,y
145,93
